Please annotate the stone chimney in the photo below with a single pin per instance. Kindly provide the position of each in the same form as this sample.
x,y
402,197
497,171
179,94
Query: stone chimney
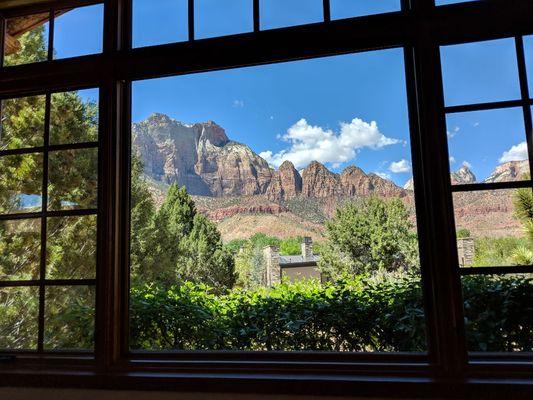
x,y
307,248
273,269
466,251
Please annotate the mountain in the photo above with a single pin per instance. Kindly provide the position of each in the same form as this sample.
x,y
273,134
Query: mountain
x,y
202,158
199,157
238,190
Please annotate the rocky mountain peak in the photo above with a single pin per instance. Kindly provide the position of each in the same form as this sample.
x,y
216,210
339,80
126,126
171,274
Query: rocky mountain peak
x,y
509,171
212,132
463,176
319,182
286,183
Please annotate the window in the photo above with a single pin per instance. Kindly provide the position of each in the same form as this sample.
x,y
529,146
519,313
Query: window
x,y
48,227
318,196
491,181
75,32
245,183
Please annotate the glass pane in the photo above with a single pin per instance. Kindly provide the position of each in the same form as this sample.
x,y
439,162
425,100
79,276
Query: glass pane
x,y
480,72
216,18
22,123
282,13
74,117
21,180
494,227
71,248
444,2
20,249
498,314
69,318
528,49
357,8
487,146
19,310
26,39
161,22
244,231
79,31
73,179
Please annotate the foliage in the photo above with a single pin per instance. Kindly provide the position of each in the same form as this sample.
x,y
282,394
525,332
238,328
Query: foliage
x,y
491,251
175,243
463,233
354,315
369,236
362,314
523,203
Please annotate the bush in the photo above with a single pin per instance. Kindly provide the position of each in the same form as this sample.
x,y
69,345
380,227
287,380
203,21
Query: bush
x,y
362,314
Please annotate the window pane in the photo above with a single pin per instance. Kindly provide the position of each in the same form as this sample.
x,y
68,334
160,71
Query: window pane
x,y
498,313
528,49
493,227
480,72
26,39
444,2
21,179
19,309
282,13
74,117
22,123
79,31
224,212
161,22
487,146
73,179
69,318
357,8
71,248
20,249
216,18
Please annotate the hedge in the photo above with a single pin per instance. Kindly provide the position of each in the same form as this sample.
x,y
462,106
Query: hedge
x,y
356,315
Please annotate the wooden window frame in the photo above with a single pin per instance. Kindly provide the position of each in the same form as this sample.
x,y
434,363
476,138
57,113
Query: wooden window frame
x,y
420,29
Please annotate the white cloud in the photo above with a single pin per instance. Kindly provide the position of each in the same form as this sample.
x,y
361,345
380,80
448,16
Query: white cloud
x,y
314,143
467,164
452,160
271,117
515,153
476,124
238,104
399,167
383,175
453,132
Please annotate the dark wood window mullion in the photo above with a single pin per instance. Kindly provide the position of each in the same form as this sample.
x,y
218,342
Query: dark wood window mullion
x,y
51,35
191,19
327,11
257,16
524,89
44,199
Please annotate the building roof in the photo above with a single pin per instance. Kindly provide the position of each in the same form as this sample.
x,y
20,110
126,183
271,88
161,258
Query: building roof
x,y
299,259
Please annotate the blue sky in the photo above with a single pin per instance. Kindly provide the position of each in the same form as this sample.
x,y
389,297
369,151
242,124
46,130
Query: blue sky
x,y
341,110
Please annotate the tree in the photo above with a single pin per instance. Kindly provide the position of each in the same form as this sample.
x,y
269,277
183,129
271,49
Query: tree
x,y
523,203
175,243
368,236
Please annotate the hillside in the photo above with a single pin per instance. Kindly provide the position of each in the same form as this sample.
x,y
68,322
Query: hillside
x,y
237,188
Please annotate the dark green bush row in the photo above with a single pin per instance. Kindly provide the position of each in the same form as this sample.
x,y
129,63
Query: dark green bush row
x,y
356,315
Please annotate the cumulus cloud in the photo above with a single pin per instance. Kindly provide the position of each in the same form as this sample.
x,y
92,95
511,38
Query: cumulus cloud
x,y
238,104
453,132
399,167
452,160
515,153
467,164
314,143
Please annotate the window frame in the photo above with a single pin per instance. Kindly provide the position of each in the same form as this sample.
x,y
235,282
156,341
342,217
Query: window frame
x,y
420,29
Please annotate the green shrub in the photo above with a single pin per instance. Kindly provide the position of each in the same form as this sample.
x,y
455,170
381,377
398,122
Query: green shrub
x,y
361,314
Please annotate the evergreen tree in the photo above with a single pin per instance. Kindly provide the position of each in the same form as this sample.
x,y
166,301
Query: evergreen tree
x,y
367,237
